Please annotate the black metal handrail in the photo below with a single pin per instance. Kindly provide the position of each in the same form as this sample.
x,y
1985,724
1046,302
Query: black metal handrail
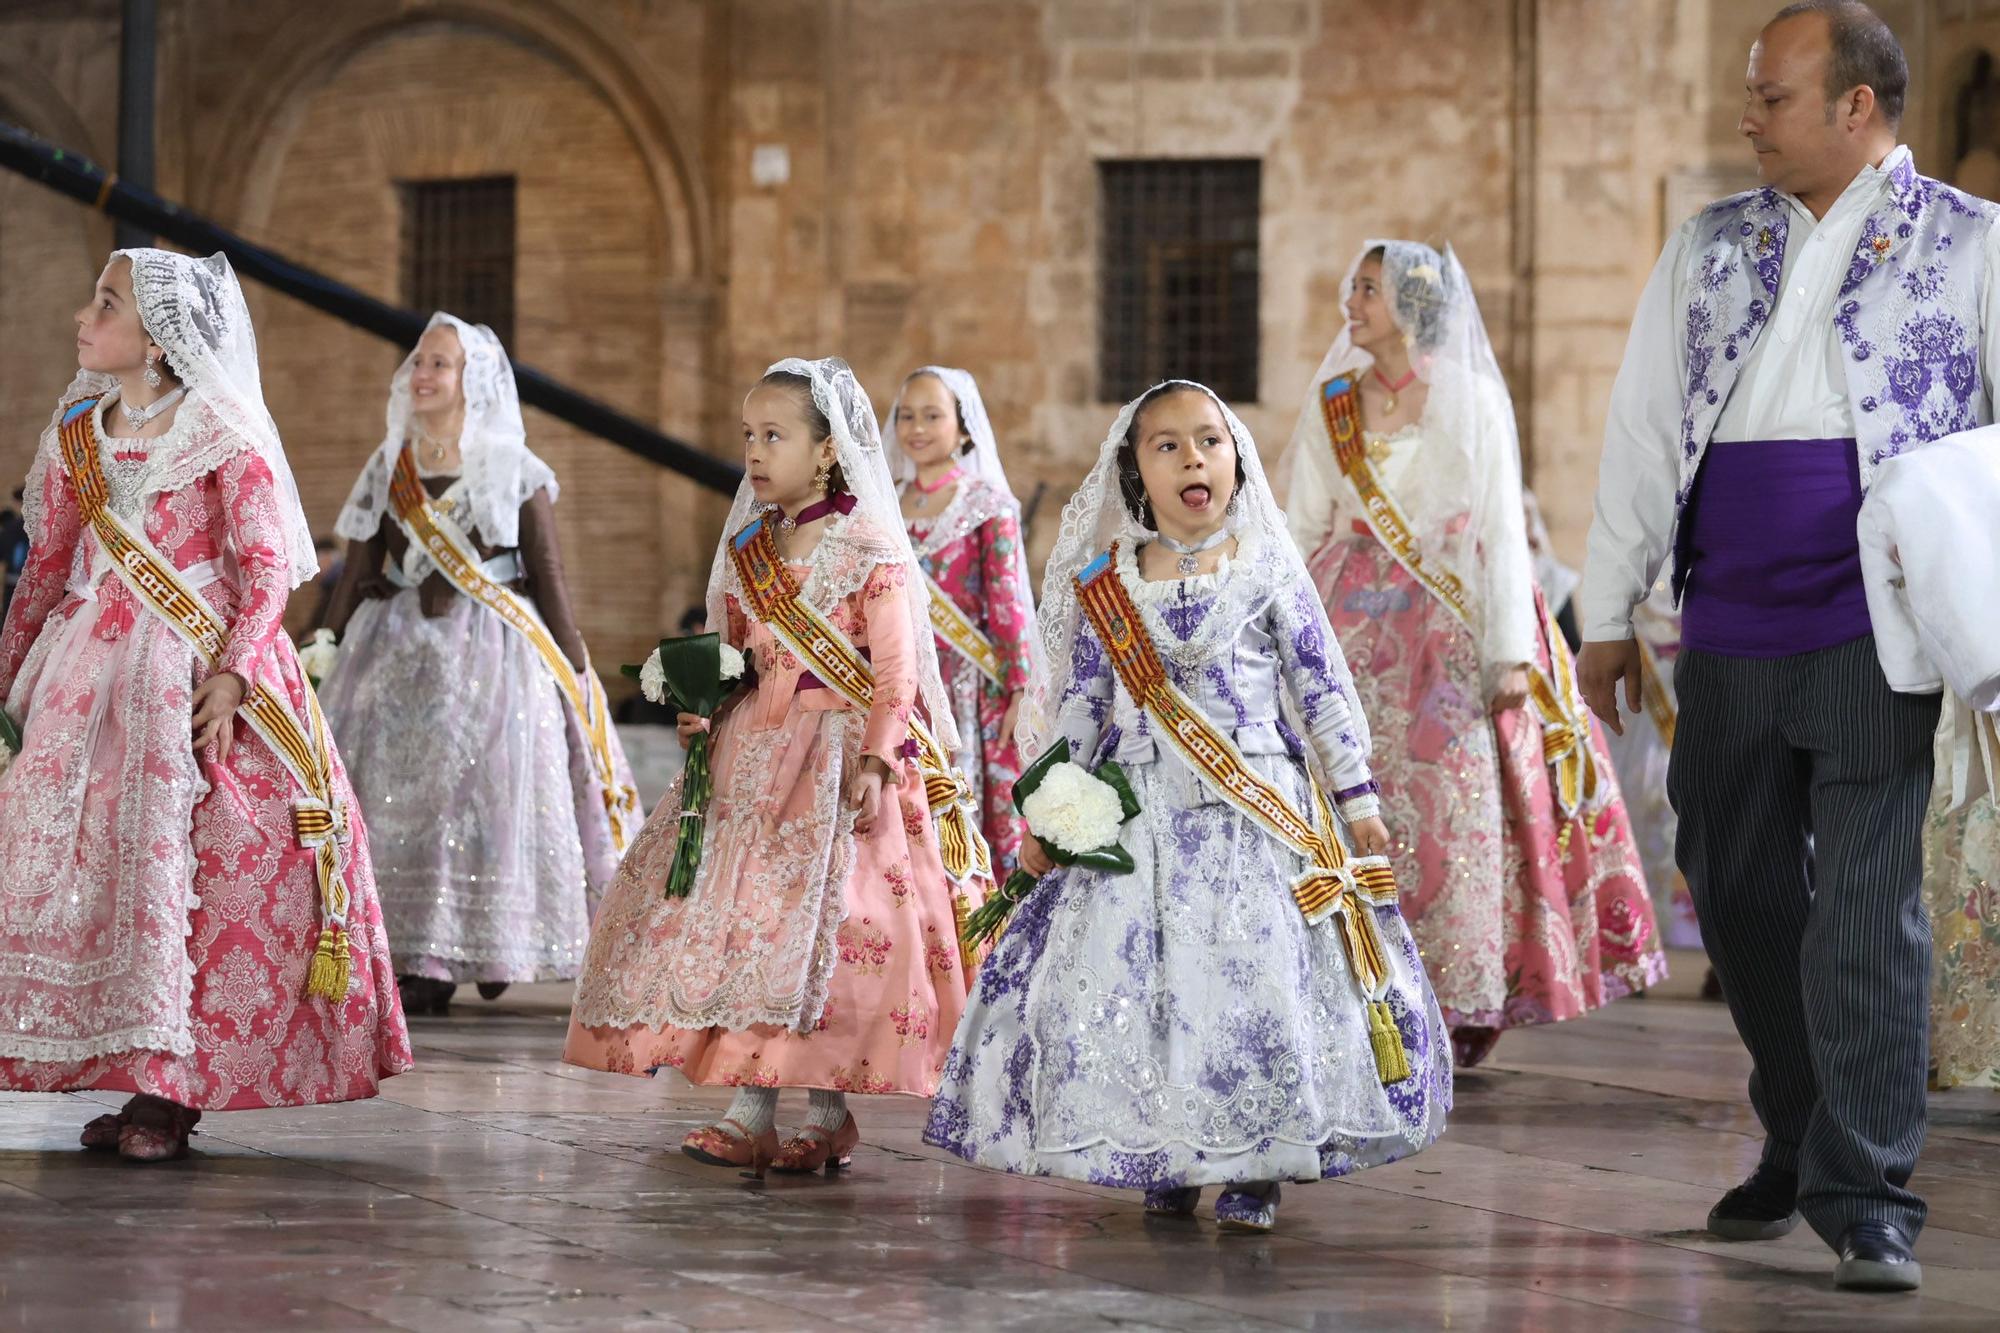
x,y
85,181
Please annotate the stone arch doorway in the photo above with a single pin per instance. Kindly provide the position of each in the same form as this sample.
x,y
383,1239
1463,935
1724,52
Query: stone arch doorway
x,y
312,48
609,230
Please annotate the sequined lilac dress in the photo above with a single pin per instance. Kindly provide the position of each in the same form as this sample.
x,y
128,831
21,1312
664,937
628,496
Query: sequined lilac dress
x,y
1182,1025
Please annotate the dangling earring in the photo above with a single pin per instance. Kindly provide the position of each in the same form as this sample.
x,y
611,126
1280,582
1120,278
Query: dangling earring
x,y
1230,508
823,475
1133,491
152,376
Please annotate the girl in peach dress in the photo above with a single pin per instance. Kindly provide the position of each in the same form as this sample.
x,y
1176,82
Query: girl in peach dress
x,y
818,947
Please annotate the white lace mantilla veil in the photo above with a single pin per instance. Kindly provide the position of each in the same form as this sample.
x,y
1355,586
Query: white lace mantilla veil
x,y
983,464
194,309
848,549
1471,448
1096,516
498,469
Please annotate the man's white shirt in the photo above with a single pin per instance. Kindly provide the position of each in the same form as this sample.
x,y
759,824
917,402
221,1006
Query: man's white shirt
x,y
1792,386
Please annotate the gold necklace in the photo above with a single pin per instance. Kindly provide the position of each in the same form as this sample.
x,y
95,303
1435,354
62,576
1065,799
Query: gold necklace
x,y
431,449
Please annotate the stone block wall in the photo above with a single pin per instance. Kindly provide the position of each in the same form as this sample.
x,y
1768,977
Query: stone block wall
x,y
926,189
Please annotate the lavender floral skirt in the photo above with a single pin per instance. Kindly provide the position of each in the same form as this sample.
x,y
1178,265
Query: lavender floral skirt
x,y
1182,1025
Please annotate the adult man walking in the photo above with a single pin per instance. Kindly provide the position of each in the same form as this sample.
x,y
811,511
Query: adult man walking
x,y
1790,339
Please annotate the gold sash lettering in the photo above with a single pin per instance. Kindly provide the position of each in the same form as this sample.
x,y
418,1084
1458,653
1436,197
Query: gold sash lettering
x,y
950,623
1340,403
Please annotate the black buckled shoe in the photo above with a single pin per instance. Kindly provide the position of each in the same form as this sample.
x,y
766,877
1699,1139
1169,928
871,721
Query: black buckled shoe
x,y
1764,1207
1875,1256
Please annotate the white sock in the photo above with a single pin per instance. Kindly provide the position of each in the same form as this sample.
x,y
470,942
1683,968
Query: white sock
x,y
756,1109
828,1110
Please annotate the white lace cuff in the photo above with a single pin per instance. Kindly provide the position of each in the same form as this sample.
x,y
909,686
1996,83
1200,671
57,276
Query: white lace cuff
x,y
1360,807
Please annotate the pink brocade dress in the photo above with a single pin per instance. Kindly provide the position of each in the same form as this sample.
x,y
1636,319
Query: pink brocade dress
x,y
969,550
804,956
157,914
1519,920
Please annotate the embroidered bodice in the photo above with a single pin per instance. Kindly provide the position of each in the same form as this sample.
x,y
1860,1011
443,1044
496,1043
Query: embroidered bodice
x,y
1251,657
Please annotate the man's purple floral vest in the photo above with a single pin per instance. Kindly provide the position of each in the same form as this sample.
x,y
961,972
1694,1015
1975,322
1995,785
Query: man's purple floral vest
x,y
1908,315
1766,559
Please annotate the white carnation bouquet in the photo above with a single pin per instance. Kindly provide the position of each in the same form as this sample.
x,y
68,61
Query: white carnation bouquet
x,y
1076,815
691,675
317,656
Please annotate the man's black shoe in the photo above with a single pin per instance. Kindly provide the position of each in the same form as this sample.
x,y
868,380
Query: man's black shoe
x,y
1764,1207
1875,1256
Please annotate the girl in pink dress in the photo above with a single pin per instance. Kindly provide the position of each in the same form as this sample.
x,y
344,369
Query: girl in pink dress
x,y
817,948
966,527
162,908
1520,878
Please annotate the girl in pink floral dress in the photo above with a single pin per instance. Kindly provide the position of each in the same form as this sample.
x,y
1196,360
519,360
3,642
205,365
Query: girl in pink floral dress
x,y
1520,878
817,948
966,527
160,903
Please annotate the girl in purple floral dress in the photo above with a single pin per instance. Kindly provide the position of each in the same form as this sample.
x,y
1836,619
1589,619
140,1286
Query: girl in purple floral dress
x,y
1193,1022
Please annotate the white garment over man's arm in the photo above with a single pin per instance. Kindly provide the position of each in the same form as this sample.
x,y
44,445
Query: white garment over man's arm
x,y
1989,329
1640,469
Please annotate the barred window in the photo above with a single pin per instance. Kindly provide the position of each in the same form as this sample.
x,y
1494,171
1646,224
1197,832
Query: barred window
x,y
458,250
1178,275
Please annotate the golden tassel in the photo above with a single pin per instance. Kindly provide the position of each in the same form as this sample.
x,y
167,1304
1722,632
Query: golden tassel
x,y
968,955
332,966
1391,1061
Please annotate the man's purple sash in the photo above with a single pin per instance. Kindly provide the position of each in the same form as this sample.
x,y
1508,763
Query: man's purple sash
x,y
1769,546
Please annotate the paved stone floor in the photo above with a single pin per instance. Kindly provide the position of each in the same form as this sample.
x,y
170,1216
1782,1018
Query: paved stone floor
x,y
495,1188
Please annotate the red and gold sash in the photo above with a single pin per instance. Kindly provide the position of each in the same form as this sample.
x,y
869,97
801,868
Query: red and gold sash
x,y
300,744
1566,730
950,623
1333,884
453,554
775,600
1340,402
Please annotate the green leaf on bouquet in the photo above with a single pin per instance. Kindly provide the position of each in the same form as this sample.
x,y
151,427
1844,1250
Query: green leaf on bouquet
x,y
10,735
1112,774
693,670
1113,859
1031,776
